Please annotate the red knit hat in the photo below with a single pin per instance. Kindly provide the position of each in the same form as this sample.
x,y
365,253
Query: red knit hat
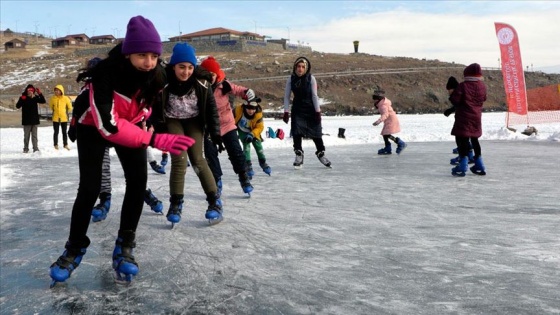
x,y
211,65
473,70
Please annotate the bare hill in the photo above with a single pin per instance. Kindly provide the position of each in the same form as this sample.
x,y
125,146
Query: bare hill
x,y
346,81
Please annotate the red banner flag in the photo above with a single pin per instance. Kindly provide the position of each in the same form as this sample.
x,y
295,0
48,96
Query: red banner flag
x,y
512,69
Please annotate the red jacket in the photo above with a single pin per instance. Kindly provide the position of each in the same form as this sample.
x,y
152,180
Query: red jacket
x,y
468,99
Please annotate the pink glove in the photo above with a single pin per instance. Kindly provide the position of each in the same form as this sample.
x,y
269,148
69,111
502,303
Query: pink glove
x,y
175,144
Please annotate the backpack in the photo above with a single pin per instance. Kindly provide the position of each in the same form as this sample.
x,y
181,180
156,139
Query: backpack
x,y
270,133
280,133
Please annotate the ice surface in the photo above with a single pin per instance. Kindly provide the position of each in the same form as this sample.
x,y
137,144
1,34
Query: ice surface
x,y
373,235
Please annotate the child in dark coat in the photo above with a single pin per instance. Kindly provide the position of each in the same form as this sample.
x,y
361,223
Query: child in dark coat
x,y
468,99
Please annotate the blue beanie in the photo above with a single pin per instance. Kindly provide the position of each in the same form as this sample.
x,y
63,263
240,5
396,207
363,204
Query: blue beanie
x,y
141,37
183,52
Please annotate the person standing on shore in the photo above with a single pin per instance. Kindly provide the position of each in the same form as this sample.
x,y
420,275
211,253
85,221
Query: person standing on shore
x,y
29,103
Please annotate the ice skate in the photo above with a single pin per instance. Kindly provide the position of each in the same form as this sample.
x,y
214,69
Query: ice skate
x,y
298,162
265,167
63,267
385,151
323,159
151,200
245,183
461,169
123,260
175,209
157,168
164,159
214,211
478,167
401,145
250,171
100,211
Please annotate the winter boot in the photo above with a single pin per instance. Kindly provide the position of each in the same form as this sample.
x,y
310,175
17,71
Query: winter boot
x,y
341,133
460,169
175,209
62,268
265,167
250,171
456,151
478,167
321,156
245,183
157,168
385,151
298,162
99,212
164,159
123,259
401,145
151,200
214,211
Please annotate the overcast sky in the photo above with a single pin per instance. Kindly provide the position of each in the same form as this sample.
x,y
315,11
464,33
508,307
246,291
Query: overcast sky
x,y
452,31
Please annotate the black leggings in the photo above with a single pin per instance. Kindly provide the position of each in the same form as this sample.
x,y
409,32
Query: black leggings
x,y
319,144
463,146
91,150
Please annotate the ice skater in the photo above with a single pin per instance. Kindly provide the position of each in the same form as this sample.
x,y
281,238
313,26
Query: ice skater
x,y
390,122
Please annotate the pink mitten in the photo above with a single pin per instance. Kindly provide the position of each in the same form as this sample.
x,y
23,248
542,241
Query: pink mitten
x,y
175,144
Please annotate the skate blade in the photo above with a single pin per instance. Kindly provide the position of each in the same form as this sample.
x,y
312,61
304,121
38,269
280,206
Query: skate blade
x,y
215,221
53,283
122,278
298,167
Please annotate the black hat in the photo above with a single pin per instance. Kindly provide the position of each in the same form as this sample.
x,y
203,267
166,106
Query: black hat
x,y
378,94
452,83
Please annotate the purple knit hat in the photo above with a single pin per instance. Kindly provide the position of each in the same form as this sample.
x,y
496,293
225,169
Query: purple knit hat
x,y
141,37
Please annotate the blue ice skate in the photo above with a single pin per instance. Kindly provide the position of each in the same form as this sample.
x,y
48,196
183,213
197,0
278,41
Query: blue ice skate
x,y
157,168
461,169
214,211
123,260
151,200
478,167
265,167
164,159
62,268
401,145
245,183
100,211
175,209
385,151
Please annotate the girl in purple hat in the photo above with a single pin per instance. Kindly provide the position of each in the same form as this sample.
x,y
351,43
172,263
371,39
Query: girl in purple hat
x,y
120,92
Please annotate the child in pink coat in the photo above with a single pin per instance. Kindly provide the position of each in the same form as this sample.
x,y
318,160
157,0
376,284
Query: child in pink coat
x,y
390,123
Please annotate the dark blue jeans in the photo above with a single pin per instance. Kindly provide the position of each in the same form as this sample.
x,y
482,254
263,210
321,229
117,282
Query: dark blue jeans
x,y
234,151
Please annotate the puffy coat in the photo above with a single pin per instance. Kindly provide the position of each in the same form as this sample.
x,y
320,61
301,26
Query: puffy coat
x,y
60,106
221,94
468,99
388,117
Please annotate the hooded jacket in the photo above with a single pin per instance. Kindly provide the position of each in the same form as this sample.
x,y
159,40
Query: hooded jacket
x,y
388,117
60,106
29,107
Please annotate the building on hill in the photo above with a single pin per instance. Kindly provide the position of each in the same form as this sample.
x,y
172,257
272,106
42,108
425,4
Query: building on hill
x,y
217,34
221,39
70,40
14,44
102,39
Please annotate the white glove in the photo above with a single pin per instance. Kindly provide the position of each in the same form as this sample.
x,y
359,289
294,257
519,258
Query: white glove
x,y
250,94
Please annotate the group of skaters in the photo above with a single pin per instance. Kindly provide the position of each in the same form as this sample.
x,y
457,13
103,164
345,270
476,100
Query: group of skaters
x,y
132,101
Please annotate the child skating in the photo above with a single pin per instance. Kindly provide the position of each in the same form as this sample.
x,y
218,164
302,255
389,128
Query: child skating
x,y
250,125
390,123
